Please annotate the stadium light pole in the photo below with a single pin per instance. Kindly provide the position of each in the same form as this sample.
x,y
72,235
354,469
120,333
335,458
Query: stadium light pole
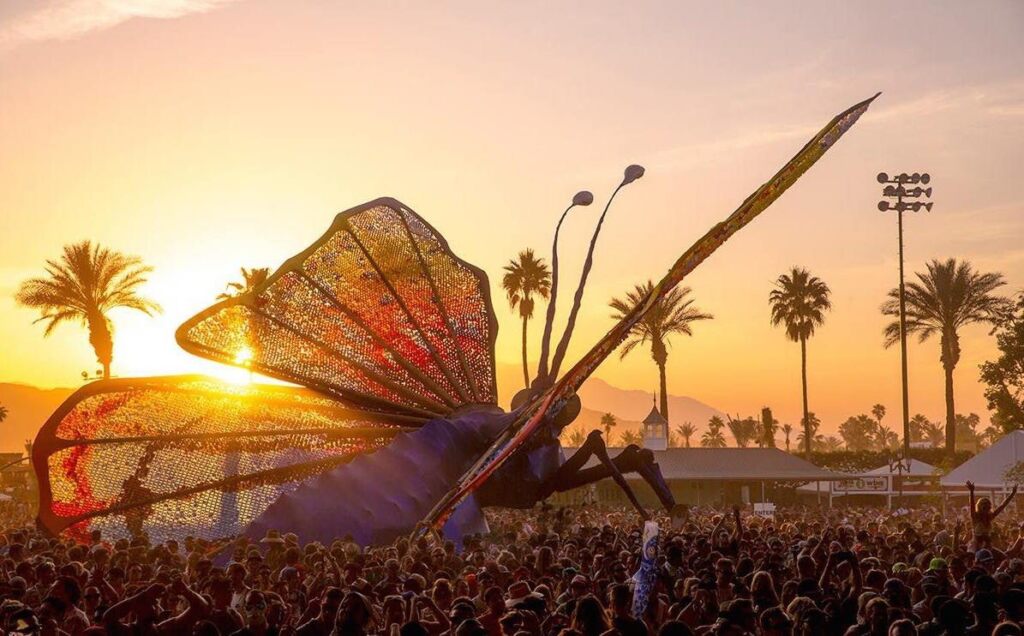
x,y
902,198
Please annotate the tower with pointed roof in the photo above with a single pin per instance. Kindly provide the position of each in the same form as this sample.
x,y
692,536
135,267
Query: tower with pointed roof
x,y
655,429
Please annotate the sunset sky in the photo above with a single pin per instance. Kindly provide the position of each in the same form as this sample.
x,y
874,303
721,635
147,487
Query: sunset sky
x,y
205,135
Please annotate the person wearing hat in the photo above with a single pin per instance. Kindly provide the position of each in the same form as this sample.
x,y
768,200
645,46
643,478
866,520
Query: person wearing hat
x,y
983,558
930,588
275,549
579,586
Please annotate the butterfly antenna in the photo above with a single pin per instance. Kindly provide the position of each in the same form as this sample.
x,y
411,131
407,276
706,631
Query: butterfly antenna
x,y
631,174
582,198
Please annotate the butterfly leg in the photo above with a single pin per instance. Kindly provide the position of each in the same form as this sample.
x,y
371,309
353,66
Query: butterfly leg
x,y
571,474
650,472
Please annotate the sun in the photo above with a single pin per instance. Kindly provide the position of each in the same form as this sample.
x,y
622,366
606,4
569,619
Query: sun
x,y
242,373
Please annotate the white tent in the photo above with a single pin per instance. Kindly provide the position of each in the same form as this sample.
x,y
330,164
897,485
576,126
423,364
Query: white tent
x,y
917,469
987,468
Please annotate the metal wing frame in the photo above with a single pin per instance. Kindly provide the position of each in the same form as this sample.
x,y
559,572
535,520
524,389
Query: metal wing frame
x,y
163,453
378,313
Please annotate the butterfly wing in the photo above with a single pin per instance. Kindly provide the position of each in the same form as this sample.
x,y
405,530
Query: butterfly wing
x,y
188,454
378,313
552,400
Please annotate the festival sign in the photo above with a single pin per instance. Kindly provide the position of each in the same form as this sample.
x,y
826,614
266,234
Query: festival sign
x,y
867,484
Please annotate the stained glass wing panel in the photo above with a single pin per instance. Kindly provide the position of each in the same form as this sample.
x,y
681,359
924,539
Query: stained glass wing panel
x,y
378,313
187,454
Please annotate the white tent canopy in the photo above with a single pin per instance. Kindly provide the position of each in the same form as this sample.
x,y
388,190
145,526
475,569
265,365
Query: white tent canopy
x,y
987,468
917,469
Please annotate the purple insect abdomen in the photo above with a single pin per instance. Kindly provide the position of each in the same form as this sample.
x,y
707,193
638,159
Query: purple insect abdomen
x,y
381,496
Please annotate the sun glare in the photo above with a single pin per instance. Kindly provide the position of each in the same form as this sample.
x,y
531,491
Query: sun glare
x,y
241,374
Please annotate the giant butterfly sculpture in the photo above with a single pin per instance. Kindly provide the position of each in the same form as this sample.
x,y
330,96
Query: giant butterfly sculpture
x,y
396,426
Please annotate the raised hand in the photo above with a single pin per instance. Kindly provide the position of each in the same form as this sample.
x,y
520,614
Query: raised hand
x,y
970,486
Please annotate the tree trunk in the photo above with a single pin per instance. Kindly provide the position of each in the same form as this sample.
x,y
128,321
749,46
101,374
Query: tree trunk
x,y
664,391
102,341
526,370
950,412
807,419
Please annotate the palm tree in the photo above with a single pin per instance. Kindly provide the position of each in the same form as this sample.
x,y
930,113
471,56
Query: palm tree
x,y
799,301
632,437
3,412
608,422
882,434
887,438
878,412
950,295
686,431
816,440
671,315
743,431
251,279
833,444
768,427
83,286
991,435
523,278
809,435
788,430
713,437
575,439
935,433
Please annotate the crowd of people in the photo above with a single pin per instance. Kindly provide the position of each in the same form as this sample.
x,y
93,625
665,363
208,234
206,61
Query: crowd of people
x,y
545,572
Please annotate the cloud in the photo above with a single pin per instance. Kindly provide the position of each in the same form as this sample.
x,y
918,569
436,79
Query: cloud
x,y
66,19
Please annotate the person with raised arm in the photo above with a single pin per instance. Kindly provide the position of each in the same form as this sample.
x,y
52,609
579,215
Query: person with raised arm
x,y
982,516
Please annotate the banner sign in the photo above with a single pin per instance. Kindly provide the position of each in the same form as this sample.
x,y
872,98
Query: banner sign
x,y
873,484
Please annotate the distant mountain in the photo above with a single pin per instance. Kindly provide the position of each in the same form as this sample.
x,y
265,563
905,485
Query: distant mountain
x,y
634,404
28,407
589,419
631,406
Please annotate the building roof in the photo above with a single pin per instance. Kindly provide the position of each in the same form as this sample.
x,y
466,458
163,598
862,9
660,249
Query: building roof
x,y
655,417
988,468
733,464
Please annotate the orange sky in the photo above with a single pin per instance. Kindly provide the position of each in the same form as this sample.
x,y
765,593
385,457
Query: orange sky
x,y
207,134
